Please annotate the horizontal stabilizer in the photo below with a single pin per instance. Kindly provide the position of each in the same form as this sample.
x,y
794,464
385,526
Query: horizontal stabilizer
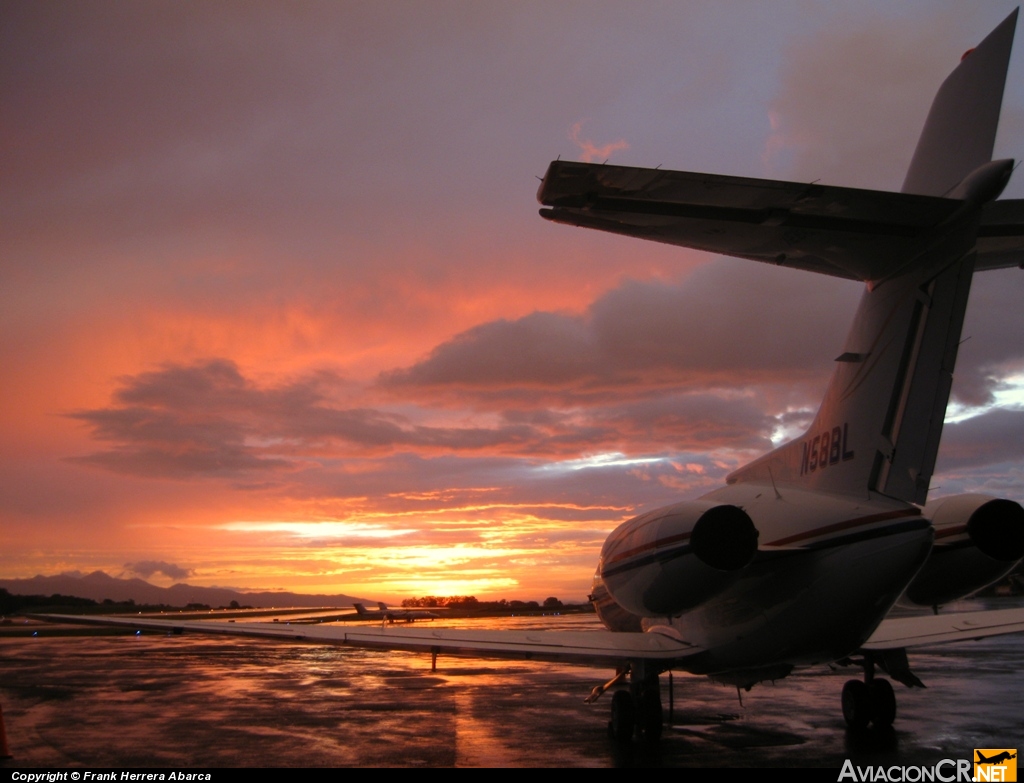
x,y
844,232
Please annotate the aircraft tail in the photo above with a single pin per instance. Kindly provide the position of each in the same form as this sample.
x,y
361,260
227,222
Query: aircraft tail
x,y
382,606
961,127
879,425
360,609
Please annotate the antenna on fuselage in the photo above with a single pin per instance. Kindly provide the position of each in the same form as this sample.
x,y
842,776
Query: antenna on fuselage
x,y
777,495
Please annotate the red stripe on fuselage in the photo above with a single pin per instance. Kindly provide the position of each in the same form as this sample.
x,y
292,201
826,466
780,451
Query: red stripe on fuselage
x,y
820,531
652,545
950,531
835,528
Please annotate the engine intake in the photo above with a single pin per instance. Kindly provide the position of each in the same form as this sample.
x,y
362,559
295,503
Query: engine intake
x,y
997,529
673,559
725,538
978,540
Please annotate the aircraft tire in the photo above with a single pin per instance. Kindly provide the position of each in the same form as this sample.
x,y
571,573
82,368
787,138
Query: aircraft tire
x,y
623,717
651,717
856,704
883,703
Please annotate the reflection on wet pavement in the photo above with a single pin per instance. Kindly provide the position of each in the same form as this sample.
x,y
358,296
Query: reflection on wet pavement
x,y
187,700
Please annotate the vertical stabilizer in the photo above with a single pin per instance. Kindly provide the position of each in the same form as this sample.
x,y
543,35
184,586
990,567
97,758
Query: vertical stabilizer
x,y
879,425
960,131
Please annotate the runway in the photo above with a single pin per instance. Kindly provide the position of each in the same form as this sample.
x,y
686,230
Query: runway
x,y
186,701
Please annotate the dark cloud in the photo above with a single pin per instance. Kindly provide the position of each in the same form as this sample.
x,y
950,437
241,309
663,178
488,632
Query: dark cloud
x,y
999,479
207,419
991,438
853,98
146,569
176,423
729,323
693,419
539,349
992,344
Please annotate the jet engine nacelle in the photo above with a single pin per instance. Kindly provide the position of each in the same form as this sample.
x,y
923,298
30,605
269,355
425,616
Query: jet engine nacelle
x,y
611,615
673,559
985,183
978,539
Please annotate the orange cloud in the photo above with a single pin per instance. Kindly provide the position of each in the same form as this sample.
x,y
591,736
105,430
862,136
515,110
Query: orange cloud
x,y
589,151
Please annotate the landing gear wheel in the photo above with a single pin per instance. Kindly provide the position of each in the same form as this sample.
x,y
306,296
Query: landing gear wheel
x,y
856,704
620,727
650,718
883,703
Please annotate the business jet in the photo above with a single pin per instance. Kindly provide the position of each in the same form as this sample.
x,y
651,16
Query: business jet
x,y
384,614
799,559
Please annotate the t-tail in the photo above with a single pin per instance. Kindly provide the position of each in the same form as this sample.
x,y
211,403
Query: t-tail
x,y
879,425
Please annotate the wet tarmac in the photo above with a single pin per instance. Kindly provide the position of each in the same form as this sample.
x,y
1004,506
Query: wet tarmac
x,y
185,701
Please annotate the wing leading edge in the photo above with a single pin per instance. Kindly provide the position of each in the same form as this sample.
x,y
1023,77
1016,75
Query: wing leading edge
x,y
918,631
582,647
843,232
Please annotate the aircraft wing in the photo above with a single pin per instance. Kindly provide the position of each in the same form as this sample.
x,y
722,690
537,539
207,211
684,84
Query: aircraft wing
x,y
844,232
596,647
586,647
921,630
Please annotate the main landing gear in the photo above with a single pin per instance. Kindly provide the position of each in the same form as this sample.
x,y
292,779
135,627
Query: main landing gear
x,y
871,701
636,710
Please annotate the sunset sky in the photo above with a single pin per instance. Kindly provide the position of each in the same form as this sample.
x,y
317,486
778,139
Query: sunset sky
x,y
277,309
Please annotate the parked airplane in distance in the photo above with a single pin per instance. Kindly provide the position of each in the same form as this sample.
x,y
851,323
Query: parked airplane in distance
x,y
385,614
799,559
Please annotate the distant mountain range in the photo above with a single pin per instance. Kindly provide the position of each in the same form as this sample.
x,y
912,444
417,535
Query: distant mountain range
x,y
99,586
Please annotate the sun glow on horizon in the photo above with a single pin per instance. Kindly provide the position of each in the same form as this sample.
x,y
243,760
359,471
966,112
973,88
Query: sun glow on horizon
x,y
317,530
514,555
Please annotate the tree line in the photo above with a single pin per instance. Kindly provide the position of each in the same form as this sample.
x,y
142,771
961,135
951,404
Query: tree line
x,y
471,602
